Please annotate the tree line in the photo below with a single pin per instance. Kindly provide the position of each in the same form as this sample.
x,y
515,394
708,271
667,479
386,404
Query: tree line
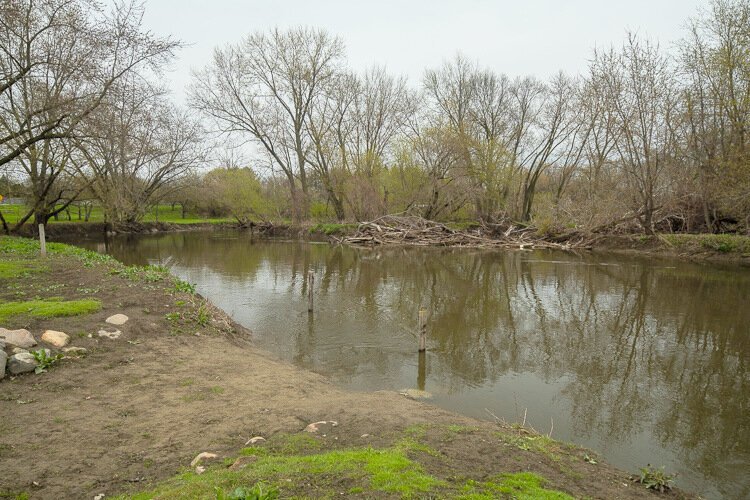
x,y
648,138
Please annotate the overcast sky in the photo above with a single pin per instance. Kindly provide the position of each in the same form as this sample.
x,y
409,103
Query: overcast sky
x,y
517,37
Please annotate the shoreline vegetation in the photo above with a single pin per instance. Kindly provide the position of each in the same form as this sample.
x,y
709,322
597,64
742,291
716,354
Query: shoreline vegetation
x,y
181,405
399,230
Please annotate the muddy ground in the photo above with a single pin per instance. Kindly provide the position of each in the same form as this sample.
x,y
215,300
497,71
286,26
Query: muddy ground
x,y
137,409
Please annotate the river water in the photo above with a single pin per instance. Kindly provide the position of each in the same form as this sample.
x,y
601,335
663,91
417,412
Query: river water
x,y
643,360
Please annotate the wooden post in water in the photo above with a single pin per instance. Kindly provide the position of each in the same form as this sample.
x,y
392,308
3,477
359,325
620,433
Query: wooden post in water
x,y
421,371
422,330
42,240
310,286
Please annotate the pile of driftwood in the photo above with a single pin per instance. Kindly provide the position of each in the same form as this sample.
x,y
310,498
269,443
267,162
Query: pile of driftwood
x,y
409,230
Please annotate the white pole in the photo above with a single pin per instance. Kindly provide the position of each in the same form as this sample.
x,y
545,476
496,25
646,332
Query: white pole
x,y
42,240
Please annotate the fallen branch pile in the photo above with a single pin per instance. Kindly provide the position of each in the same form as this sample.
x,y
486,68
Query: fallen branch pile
x,y
410,230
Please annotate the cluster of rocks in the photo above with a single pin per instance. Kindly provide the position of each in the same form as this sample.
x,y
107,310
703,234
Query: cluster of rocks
x,y
17,355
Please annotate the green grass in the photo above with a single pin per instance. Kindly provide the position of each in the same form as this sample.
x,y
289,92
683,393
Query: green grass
x,y
14,247
13,213
520,486
49,308
333,228
20,268
384,471
723,243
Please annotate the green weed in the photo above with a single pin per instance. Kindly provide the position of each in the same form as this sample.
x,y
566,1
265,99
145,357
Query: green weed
x,y
258,492
184,286
173,317
44,361
656,479
202,315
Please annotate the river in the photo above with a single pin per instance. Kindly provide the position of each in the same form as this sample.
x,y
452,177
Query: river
x,y
643,360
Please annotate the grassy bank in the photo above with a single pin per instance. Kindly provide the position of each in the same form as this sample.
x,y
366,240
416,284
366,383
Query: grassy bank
x,y
159,213
298,465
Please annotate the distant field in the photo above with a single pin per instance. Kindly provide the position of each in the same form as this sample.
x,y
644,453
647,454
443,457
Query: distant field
x,y
162,213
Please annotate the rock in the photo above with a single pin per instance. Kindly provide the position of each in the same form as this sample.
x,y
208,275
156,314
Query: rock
x,y
243,462
200,470
18,350
317,426
2,345
3,359
55,338
75,351
21,363
19,338
117,319
202,456
416,394
256,439
100,496
110,334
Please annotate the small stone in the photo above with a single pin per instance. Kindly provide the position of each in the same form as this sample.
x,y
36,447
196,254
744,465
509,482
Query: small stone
x,y
55,338
18,350
254,440
200,469
100,496
18,338
21,363
110,334
117,319
202,456
316,426
416,394
243,462
75,351
3,360
364,436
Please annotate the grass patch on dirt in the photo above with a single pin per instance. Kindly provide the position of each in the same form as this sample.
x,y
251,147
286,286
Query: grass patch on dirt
x,y
356,470
49,308
722,243
333,228
296,466
520,486
21,268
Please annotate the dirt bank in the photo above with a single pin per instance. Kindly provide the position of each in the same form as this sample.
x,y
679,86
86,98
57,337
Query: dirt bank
x,y
183,379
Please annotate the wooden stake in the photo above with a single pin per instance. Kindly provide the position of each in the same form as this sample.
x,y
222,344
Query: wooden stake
x,y
310,286
422,330
42,240
421,371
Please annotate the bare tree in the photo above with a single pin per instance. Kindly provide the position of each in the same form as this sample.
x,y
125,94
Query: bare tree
x,y
264,88
715,59
329,127
555,136
136,148
641,99
58,61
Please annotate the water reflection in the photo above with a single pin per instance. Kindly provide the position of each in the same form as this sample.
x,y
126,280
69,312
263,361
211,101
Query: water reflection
x,y
645,362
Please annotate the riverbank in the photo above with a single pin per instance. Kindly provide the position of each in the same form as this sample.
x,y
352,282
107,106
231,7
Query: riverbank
x,y
718,248
181,379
